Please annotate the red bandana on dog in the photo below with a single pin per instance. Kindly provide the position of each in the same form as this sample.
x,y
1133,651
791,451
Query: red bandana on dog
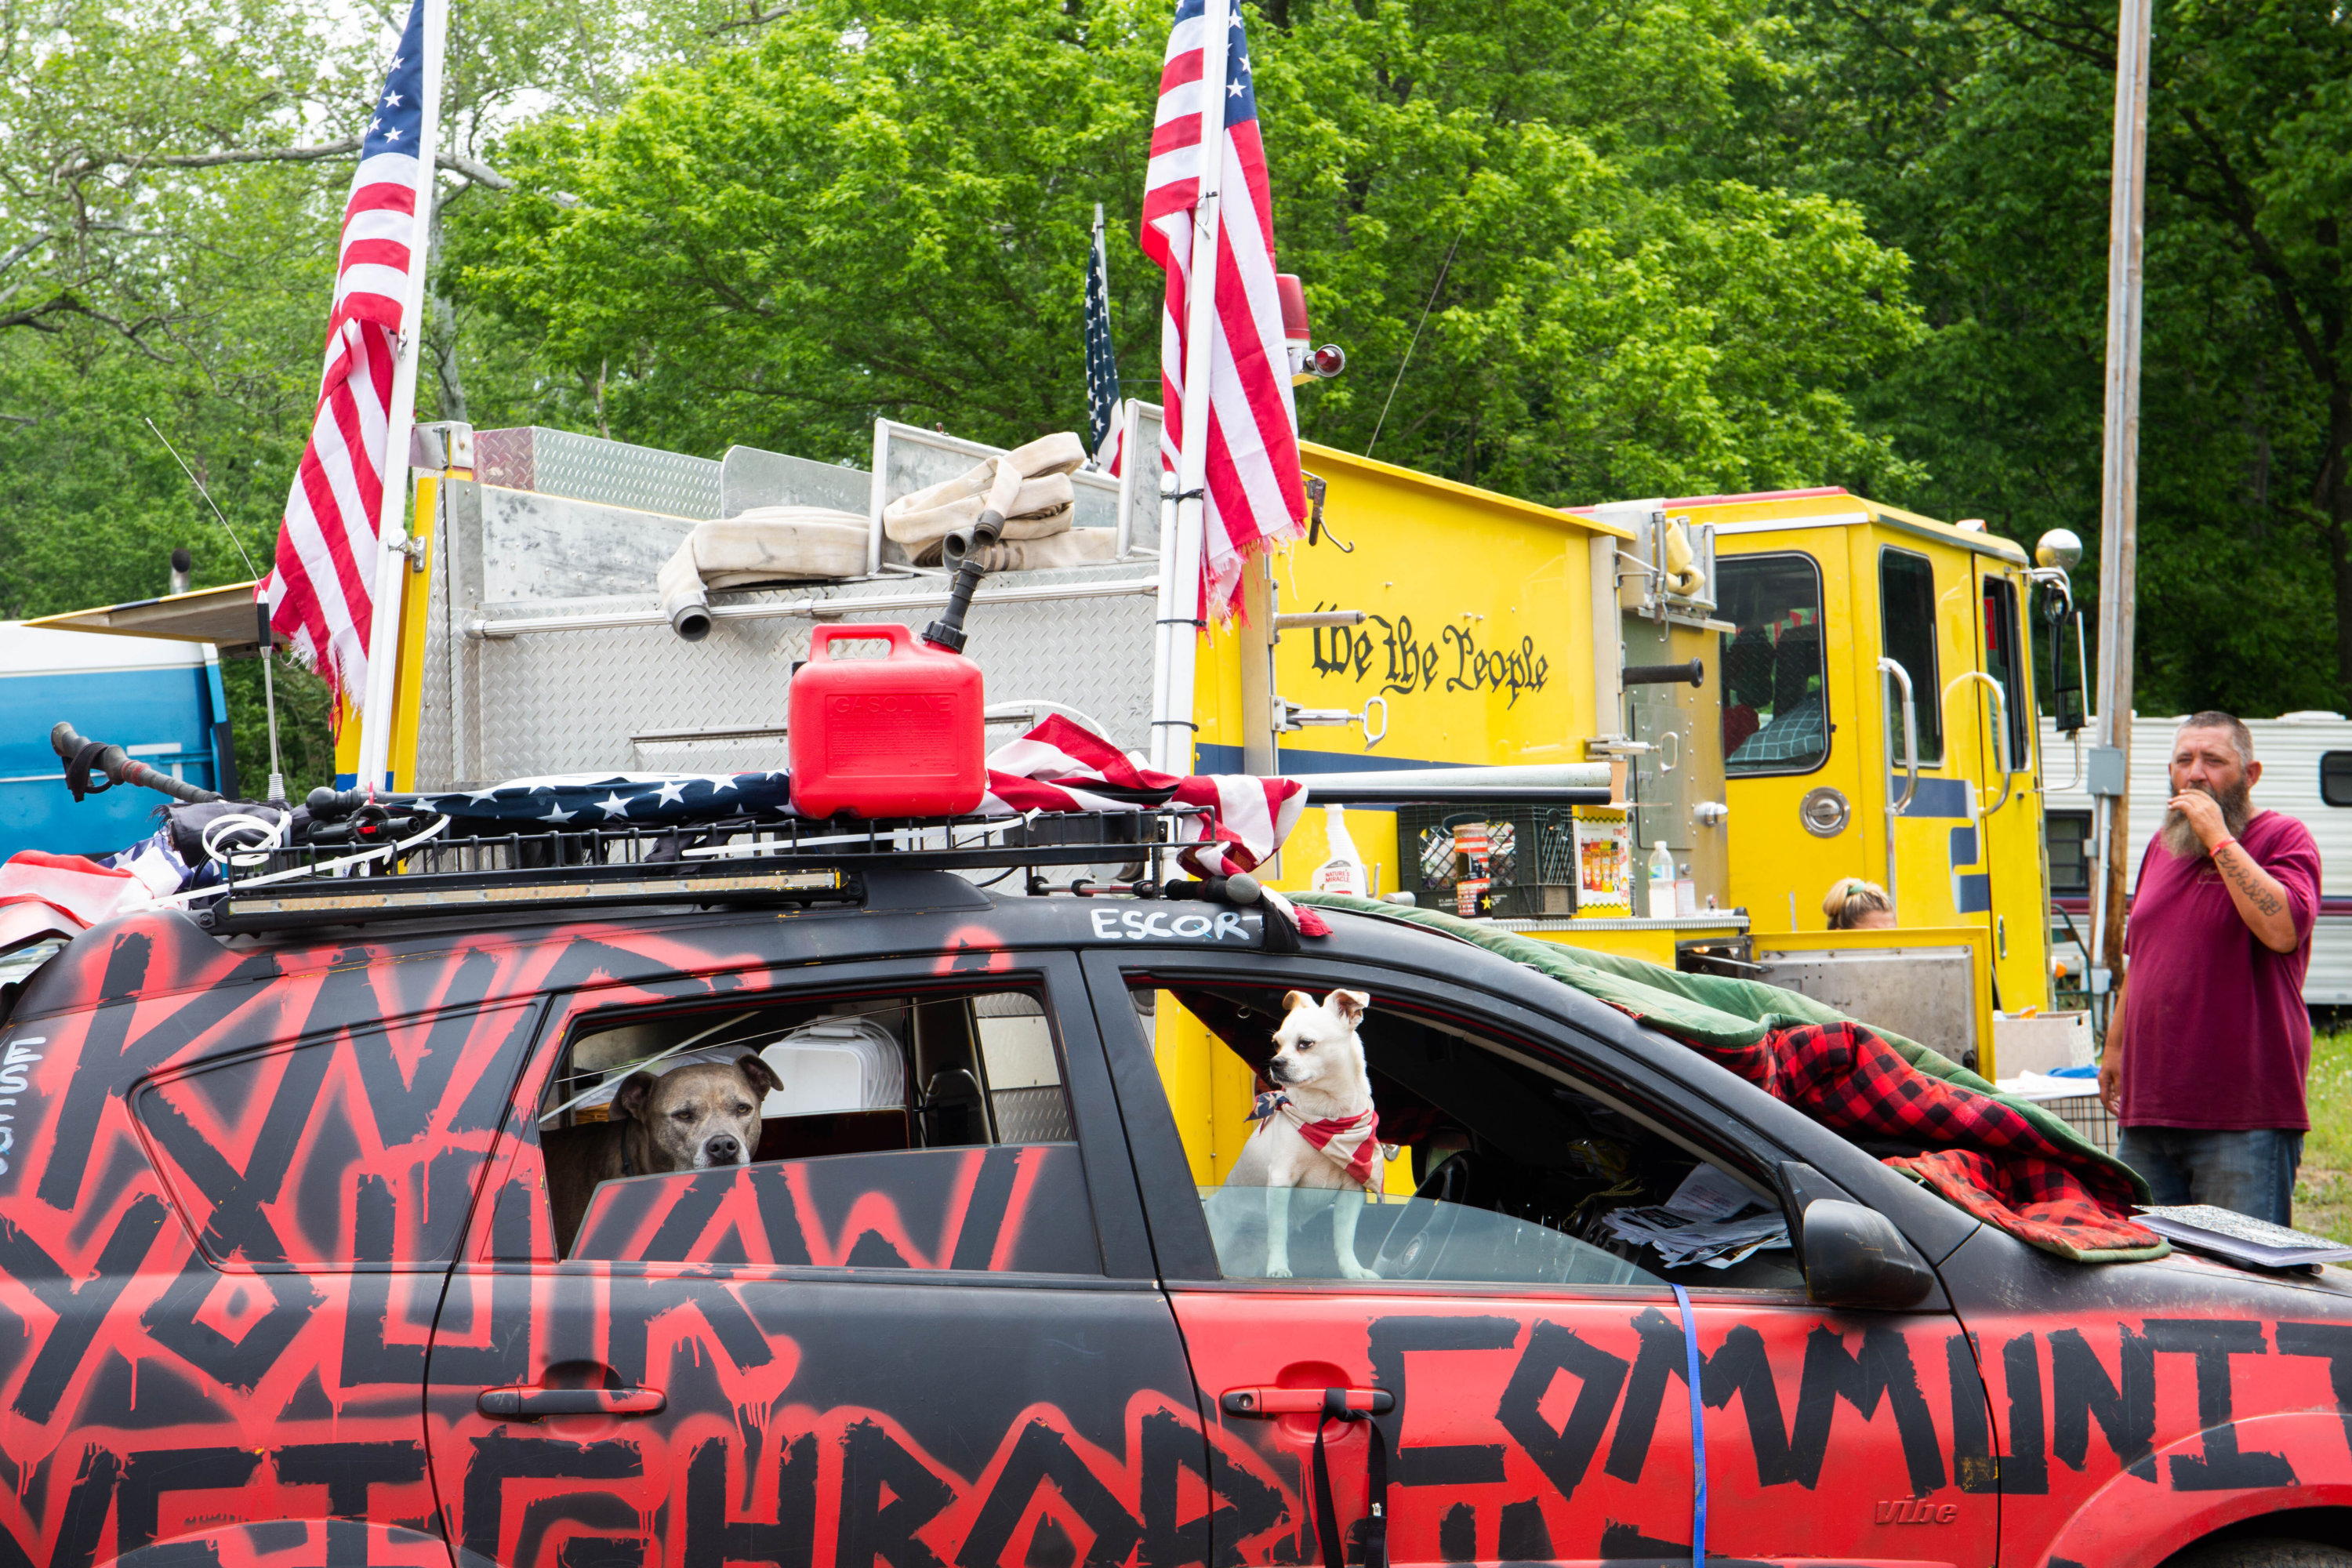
x,y
1348,1142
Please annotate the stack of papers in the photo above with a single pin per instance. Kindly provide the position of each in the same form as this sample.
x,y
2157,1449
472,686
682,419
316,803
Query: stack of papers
x,y
2063,1085
2240,1238
1706,1221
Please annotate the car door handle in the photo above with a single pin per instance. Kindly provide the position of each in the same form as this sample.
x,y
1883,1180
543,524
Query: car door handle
x,y
1272,1402
531,1404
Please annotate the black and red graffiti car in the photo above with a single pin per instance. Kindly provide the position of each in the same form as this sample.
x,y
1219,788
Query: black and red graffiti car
x,y
280,1281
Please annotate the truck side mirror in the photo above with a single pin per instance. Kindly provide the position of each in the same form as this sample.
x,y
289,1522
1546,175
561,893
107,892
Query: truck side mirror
x,y
1854,1256
2067,707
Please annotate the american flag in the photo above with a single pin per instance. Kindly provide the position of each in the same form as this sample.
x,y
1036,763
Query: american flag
x,y
320,594
1255,496
1102,363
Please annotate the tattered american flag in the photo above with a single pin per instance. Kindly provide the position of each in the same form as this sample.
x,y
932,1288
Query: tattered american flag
x,y
320,593
1062,767
1255,496
1104,408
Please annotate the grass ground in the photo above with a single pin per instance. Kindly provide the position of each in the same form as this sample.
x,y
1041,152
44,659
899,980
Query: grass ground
x,y
2323,1191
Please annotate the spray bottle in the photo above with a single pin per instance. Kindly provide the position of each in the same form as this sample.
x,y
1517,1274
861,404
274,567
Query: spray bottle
x,y
1343,872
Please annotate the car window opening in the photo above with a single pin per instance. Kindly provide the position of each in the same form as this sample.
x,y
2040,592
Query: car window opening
x,y
1515,1168
2068,837
845,1075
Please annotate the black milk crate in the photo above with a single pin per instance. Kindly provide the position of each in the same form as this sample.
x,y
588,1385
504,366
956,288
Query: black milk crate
x,y
1530,857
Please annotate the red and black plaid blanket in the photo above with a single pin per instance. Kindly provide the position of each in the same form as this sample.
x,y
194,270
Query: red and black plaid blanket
x,y
1984,1155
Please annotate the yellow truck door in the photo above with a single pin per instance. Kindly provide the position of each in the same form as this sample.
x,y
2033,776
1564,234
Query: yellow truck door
x,y
2014,829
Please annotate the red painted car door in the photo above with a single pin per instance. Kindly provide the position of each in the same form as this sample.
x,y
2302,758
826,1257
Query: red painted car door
x,y
1543,1426
2139,1409
920,1328
1540,1381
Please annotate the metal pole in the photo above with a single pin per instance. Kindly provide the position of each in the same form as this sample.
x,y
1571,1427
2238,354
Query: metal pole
x,y
1255,639
1173,731
1896,808
391,534
2119,471
269,707
1163,619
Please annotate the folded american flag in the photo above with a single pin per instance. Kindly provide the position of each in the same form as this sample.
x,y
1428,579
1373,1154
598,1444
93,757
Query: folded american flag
x,y
582,802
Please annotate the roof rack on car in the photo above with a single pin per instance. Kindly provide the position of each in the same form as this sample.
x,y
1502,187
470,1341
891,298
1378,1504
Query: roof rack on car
x,y
728,862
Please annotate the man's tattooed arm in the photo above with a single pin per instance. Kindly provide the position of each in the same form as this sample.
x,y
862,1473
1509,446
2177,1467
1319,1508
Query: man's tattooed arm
x,y
2260,900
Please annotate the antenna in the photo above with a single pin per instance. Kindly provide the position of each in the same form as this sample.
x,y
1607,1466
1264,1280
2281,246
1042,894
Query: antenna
x,y
205,493
277,790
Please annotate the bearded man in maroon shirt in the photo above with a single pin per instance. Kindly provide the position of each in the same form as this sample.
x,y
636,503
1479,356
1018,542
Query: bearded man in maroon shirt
x,y
2209,1042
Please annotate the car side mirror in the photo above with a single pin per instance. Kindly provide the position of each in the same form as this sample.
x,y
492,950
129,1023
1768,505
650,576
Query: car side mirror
x,y
1855,1257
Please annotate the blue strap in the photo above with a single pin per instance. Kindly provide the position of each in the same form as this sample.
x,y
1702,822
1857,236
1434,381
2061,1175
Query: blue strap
x,y
1698,1430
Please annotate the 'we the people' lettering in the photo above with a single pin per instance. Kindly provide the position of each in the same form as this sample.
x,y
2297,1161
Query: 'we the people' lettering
x,y
1409,665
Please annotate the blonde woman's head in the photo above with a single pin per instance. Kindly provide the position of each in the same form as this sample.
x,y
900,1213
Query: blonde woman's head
x,y
1854,904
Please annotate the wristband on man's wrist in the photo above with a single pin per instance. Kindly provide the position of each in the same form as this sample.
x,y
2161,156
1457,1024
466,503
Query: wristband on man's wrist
x,y
2223,845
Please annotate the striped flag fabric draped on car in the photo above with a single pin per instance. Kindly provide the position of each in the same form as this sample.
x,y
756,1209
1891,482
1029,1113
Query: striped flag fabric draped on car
x,y
1255,496
319,594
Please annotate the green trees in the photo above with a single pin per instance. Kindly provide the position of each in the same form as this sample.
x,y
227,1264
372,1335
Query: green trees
x,y
854,213
1977,142
882,209
143,277
1620,319
172,184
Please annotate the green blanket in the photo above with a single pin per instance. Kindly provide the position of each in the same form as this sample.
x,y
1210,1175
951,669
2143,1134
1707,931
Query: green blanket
x,y
1712,1010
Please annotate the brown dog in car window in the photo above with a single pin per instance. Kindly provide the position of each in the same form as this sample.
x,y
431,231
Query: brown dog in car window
x,y
690,1118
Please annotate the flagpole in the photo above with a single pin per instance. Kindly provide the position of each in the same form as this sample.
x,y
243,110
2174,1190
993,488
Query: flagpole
x,y
392,558
1172,736
1098,265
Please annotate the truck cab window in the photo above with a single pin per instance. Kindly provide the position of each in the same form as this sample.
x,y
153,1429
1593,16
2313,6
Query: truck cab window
x,y
2002,645
1907,611
1774,696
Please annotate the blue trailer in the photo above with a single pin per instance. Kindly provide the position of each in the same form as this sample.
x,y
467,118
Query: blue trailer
x,y
161,700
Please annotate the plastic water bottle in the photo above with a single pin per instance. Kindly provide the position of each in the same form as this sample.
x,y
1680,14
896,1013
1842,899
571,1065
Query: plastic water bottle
x,y
1343,872
1662,882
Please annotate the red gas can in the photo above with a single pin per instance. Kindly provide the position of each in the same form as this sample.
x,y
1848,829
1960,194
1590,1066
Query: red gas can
x,y
903,735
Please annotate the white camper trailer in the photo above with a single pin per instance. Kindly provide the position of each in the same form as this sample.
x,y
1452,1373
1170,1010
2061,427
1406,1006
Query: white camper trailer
x,y
2306,773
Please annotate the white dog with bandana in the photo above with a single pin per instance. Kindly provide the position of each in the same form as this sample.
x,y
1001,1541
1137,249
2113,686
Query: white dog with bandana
x,y
1317,1128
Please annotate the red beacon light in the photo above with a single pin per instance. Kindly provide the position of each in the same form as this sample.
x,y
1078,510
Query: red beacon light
x,y
1308,363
